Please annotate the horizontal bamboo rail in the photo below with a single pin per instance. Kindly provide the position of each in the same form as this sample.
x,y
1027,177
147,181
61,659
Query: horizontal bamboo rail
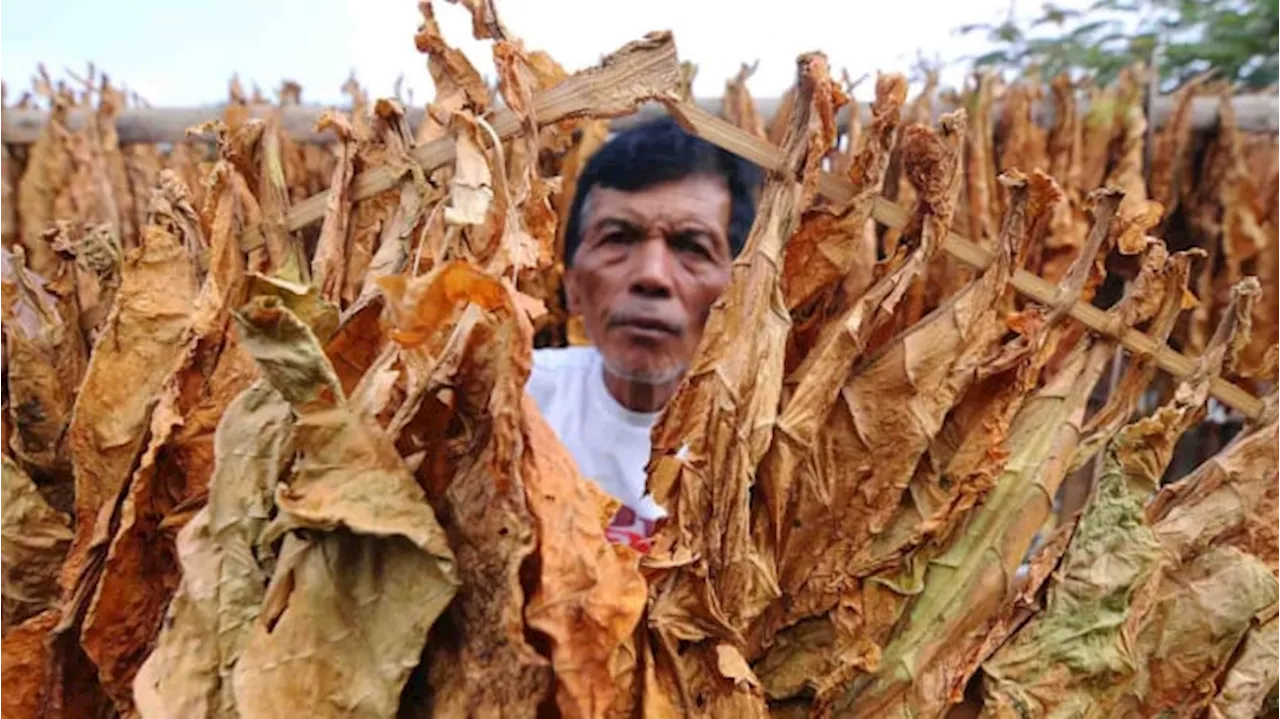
x,y
1254,113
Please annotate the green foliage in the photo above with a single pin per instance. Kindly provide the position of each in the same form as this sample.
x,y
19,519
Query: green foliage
x,y
1234,39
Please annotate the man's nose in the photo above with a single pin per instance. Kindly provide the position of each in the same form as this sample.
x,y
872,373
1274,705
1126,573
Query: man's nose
x,y
652,267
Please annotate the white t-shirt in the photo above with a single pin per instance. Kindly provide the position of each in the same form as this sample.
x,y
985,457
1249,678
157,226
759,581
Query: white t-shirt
x,y
609,442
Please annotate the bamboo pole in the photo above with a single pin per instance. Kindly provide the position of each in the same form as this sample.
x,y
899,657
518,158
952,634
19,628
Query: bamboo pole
x,y
1254,113
761,152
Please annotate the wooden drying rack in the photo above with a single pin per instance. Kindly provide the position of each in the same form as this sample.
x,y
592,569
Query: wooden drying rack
x,y
596,92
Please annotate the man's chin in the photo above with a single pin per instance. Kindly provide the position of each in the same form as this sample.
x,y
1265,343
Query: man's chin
x,y
649,373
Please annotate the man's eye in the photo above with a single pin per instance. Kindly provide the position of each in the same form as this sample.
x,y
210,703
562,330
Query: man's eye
x,y
690,242
615,238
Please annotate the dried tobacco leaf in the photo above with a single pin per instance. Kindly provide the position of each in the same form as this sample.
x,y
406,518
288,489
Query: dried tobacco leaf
x,y
967,453
825,402
1107,599
980,163
141,570
480,659
715,430
923,372
44,361
898,187
361,547
590,594
387,143
1023,143
329,263
1252,675
932,163
1101,125
738,107
35,539
26,656
828,244
143,337
45,178
1171,147
458,84
703,476
9,176
225,567
940,641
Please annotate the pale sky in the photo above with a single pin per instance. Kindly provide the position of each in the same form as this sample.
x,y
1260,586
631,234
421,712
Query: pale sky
x,y
183,52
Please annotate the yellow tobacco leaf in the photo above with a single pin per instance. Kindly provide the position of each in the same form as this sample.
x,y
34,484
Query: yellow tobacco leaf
x,y
224,568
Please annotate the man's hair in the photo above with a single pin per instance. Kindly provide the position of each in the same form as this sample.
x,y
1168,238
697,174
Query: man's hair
x,y
660,151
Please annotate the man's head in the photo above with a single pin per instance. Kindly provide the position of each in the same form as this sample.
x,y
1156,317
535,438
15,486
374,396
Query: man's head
x,y
657,218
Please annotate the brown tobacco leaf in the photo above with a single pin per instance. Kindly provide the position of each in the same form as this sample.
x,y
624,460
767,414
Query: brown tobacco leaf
x,y
458,84
9,176
980,167
918,376
141,570
360,541
44,361
1023,143
225,569
329,263
1249,238
1078,656
1252,676
373,218
142,338
184,161
142,166
827,246
285,254
737,105
968,452
1171,147
932,162
1064,138
470,187
590,594
24,651
479,659
828,383
35,538
716,429
941,639
703,471
45,178
897,186
1101,123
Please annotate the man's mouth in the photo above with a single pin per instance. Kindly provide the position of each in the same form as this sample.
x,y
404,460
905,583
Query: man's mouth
x,y
645,326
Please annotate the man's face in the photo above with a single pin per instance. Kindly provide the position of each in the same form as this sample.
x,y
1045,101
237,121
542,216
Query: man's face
x,y
647,271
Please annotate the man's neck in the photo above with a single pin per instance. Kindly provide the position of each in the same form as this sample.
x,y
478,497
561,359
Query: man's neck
x,y
639,396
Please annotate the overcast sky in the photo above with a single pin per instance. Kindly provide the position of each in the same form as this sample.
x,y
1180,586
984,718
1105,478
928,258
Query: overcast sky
x,y
184,52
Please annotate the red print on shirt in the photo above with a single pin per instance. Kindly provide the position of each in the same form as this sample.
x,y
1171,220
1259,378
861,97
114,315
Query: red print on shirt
x,y
629,529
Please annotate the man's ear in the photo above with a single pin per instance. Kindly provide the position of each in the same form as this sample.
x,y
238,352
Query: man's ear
x,y
572,291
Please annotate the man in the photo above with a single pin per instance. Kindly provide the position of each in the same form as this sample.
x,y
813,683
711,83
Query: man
x,y
657,218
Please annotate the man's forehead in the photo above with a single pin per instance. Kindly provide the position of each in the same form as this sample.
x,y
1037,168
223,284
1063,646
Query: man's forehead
x,y
701,198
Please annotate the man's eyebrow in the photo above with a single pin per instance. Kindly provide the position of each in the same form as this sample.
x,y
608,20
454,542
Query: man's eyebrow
x,y
614,221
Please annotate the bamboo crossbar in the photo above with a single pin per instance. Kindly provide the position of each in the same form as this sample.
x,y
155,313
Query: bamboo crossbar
x,y
1254,113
